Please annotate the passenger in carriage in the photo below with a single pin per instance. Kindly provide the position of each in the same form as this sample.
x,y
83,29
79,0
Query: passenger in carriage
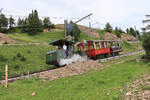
x,y
65,51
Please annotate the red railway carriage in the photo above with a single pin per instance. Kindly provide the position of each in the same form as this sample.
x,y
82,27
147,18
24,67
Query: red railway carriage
x,y
99,47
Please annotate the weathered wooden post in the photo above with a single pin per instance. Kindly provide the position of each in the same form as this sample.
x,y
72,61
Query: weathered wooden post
x,y
28,75
6,76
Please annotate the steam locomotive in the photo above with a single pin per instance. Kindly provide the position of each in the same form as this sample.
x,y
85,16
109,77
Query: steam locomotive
x,y
90,48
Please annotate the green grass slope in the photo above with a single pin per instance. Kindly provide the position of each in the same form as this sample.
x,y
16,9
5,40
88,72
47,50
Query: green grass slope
x,y
131,47
107,84
22,59
41,37
45,36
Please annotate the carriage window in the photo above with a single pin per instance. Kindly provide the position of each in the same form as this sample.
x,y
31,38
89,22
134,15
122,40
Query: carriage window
x,y
97,45
85,47
108,44
102,44
91,46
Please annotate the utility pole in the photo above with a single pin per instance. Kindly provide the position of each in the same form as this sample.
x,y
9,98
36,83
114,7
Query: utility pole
x,y
83,18
69,27
90,27
65,27
1,10
136,32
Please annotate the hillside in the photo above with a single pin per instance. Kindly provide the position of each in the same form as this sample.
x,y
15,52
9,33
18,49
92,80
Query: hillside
x,y
41,37
58,33
99,34
6,39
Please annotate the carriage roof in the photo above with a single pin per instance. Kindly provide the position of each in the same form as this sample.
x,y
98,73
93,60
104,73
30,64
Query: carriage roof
x,y
61,42
89,41
103,40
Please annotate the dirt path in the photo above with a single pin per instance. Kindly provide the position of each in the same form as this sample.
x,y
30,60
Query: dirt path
x,y
4,38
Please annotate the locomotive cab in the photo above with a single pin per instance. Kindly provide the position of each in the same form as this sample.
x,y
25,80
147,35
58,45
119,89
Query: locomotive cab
x,y
64,49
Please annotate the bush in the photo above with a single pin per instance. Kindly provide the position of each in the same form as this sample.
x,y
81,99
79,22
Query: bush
x,y
5,42
14,58
146,44
3,58
28,51
19,54
118,32
16,66
108,27
23,58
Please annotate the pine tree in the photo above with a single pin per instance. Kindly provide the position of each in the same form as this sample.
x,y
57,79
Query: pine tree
x,y
34,25
20,22
132,32
3,23
108,27
117,32
24,25
127,31
46,23
76,32
11,22
121,31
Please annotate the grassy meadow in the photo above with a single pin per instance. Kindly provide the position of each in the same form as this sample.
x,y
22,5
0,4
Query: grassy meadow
x,y
23,58
44,37
41,37
131,47
106,84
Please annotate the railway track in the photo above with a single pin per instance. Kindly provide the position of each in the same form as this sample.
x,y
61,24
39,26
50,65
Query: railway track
x,y
41,43
100,60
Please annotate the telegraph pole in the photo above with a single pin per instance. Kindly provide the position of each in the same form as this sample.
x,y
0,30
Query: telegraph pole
x,y
90,27
83,18
68,26
136,32
1,10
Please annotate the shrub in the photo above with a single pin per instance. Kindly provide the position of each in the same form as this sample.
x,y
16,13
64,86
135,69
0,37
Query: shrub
x,y
16,66
14,58
145,87
146,44
5,42
19,54
3,58
23,58
28,51
108,27
118,32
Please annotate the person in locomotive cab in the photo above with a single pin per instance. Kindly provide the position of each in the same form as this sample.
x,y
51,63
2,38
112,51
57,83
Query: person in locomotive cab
x,y
65,50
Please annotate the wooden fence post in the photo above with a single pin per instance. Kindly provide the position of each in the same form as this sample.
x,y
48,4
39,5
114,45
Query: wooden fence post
x,y
6,76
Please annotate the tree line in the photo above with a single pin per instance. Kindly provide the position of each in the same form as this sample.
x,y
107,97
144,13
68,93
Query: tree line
x,y
119,31
31,24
